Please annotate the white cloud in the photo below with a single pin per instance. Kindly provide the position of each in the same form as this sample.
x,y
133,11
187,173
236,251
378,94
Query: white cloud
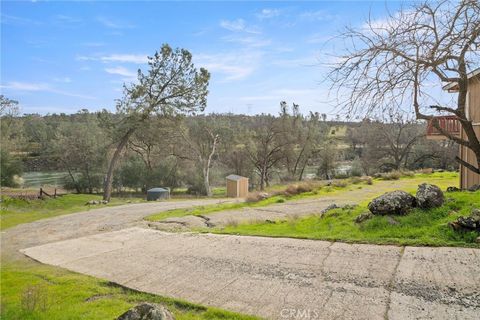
x,y
128,75
113,24
318,15
250,41
63,79
15,20
41,87
238,25
66,19
233,66
93,44
307,61
126,58
25,86
268,13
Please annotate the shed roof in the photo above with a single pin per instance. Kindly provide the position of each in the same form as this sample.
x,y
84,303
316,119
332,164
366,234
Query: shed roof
x,y
235,177
157,190
452,86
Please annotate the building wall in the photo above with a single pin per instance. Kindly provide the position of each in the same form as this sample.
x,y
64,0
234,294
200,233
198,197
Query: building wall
x,y
232,188
467,177
243,188
237,188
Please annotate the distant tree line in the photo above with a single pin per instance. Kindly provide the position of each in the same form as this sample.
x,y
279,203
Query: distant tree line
x,y
158,136
178,151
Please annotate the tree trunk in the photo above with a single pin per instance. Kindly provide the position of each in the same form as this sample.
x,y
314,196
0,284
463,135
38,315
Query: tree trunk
x,y
107,189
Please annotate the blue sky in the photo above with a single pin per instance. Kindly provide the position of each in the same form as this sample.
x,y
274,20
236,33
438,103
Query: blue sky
x,y
65,56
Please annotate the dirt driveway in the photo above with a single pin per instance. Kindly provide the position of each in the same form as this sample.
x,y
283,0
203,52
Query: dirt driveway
x,y
302,207
86,223
281,278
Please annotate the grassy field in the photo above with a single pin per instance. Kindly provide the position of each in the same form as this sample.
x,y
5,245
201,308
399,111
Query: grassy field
x,y
419,227
442,179
17,211
279,198
34,291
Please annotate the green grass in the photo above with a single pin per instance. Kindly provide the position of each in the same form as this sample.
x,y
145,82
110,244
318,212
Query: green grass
x,y
209,209
419,227
17,211
61,294
442,179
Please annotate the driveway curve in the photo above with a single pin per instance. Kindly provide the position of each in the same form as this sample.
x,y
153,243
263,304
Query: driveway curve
x,y
88,222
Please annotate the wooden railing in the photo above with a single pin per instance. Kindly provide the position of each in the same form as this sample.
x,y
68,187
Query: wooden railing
x,y
450,124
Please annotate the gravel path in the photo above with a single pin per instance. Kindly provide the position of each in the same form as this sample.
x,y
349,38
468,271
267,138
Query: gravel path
x,y
86,223
282,210
281,278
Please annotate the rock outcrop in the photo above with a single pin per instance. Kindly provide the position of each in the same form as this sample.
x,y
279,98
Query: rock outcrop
x,y
429,196
395,202
147,311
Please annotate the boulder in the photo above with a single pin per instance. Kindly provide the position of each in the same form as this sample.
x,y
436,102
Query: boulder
x,y
429,196
147,311
330,207
470,223
453,189
395,202
475,187
363,217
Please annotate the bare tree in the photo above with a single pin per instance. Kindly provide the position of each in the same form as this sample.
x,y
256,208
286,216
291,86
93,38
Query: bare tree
x,y
392,64
265,149
200,143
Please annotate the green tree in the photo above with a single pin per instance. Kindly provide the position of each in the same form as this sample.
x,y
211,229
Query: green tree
x,y
9,168
171,86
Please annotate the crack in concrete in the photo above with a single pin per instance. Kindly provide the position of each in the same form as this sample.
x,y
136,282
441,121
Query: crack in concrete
x,y
391,283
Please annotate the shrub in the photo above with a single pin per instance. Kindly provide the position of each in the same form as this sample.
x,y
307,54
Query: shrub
x,y
425,170
393,175
368,180
340,183
35,298
295,189
356,180
256,196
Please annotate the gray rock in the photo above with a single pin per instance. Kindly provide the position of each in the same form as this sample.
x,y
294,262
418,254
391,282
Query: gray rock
x,y
363,217
392,221
453,189
147,311
475,187
395,202
469,223
330,207
429,196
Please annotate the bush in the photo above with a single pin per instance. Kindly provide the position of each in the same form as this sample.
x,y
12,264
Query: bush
x,y
425,170
10,168
356,180
340,183
256,196
393,175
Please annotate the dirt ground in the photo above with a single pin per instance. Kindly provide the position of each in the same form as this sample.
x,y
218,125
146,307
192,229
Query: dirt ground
x,y
281,210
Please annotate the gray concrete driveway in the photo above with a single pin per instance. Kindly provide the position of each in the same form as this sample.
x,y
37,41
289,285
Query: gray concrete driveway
x,y
281,278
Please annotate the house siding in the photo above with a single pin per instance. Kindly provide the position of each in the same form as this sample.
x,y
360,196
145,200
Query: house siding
x,y
467,177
